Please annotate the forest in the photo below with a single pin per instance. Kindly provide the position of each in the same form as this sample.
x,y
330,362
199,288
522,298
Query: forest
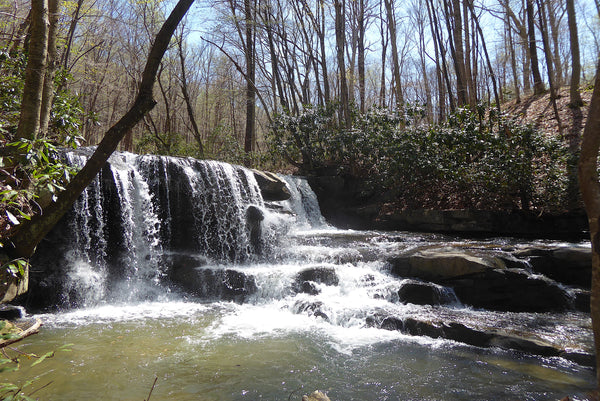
x,y
486,105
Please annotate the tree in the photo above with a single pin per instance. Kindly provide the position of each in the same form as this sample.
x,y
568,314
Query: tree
x,y
33,231
575,56
538,84
340,23
590,192
35,72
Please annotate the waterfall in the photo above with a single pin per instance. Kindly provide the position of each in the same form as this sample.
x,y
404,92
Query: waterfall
x,y
304,204
117,240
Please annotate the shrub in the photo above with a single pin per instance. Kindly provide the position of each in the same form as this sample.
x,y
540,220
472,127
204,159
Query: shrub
x,y
475,159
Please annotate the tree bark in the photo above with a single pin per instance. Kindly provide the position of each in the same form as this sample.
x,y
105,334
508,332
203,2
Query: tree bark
x,y
188,100
538,85
52,60
33,231
391,20
590,192
250,78
548,55
346,118
29,121
575,96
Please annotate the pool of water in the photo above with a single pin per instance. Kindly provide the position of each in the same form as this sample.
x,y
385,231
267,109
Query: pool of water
x,y
225,351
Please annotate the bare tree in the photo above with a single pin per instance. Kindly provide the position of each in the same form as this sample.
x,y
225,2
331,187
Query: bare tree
x,y
33,231
575,56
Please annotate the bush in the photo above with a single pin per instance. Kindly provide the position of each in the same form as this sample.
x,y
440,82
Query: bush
x,y
475,159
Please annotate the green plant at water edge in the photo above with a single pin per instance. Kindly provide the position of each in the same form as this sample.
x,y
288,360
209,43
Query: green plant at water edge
x,y
11,361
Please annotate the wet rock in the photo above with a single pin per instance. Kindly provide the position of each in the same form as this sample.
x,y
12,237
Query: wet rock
x,y
509,290
316,396
10,312
306,279
311,308
567,265
464,334
581,300
420,293
271,186
436,265
482,281
207,283
580,358
254,218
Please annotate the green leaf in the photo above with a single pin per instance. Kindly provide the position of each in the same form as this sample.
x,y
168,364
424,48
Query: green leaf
x,y
43,357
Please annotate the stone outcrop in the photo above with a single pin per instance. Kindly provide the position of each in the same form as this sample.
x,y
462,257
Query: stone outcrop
x,y
351,202
423,293
272,187
570,266
306,279
209,283
462,333
482,281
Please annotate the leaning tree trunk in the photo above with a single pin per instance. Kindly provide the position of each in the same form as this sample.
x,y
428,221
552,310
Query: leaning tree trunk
x,y
590,192
32,232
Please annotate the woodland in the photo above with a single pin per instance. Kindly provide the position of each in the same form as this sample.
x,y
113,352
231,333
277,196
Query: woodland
x,y
422,99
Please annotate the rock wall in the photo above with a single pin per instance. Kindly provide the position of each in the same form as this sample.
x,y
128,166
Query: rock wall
x,y
347,202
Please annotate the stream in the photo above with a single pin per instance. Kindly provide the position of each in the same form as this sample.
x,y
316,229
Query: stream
x,y
157,287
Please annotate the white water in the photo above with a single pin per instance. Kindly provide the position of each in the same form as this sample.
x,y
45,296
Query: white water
x,y
137,325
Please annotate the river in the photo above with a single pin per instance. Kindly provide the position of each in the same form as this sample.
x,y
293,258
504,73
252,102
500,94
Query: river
x,y
273,336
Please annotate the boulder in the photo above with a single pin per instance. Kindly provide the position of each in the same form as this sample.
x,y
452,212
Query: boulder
x,y
311,308
10,312
420,293
509,290
254,218
439,264
272,187
482,281
567,265
209,283
464,334
306,279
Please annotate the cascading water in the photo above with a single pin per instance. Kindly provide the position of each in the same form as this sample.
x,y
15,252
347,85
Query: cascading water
x,y
224,296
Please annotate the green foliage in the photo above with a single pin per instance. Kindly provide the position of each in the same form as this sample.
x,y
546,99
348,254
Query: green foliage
x,y
475,159
12,363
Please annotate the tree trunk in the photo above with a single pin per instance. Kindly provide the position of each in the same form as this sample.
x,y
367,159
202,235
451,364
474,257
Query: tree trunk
x,y
31,104
346,118
513,61
71,35
575,56
188,100
52,61
590,191
548,55
391,20
538,85
361,55
33,231
250,79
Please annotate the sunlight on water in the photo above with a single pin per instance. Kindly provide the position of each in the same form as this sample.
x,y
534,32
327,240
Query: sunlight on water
x,y
309,300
